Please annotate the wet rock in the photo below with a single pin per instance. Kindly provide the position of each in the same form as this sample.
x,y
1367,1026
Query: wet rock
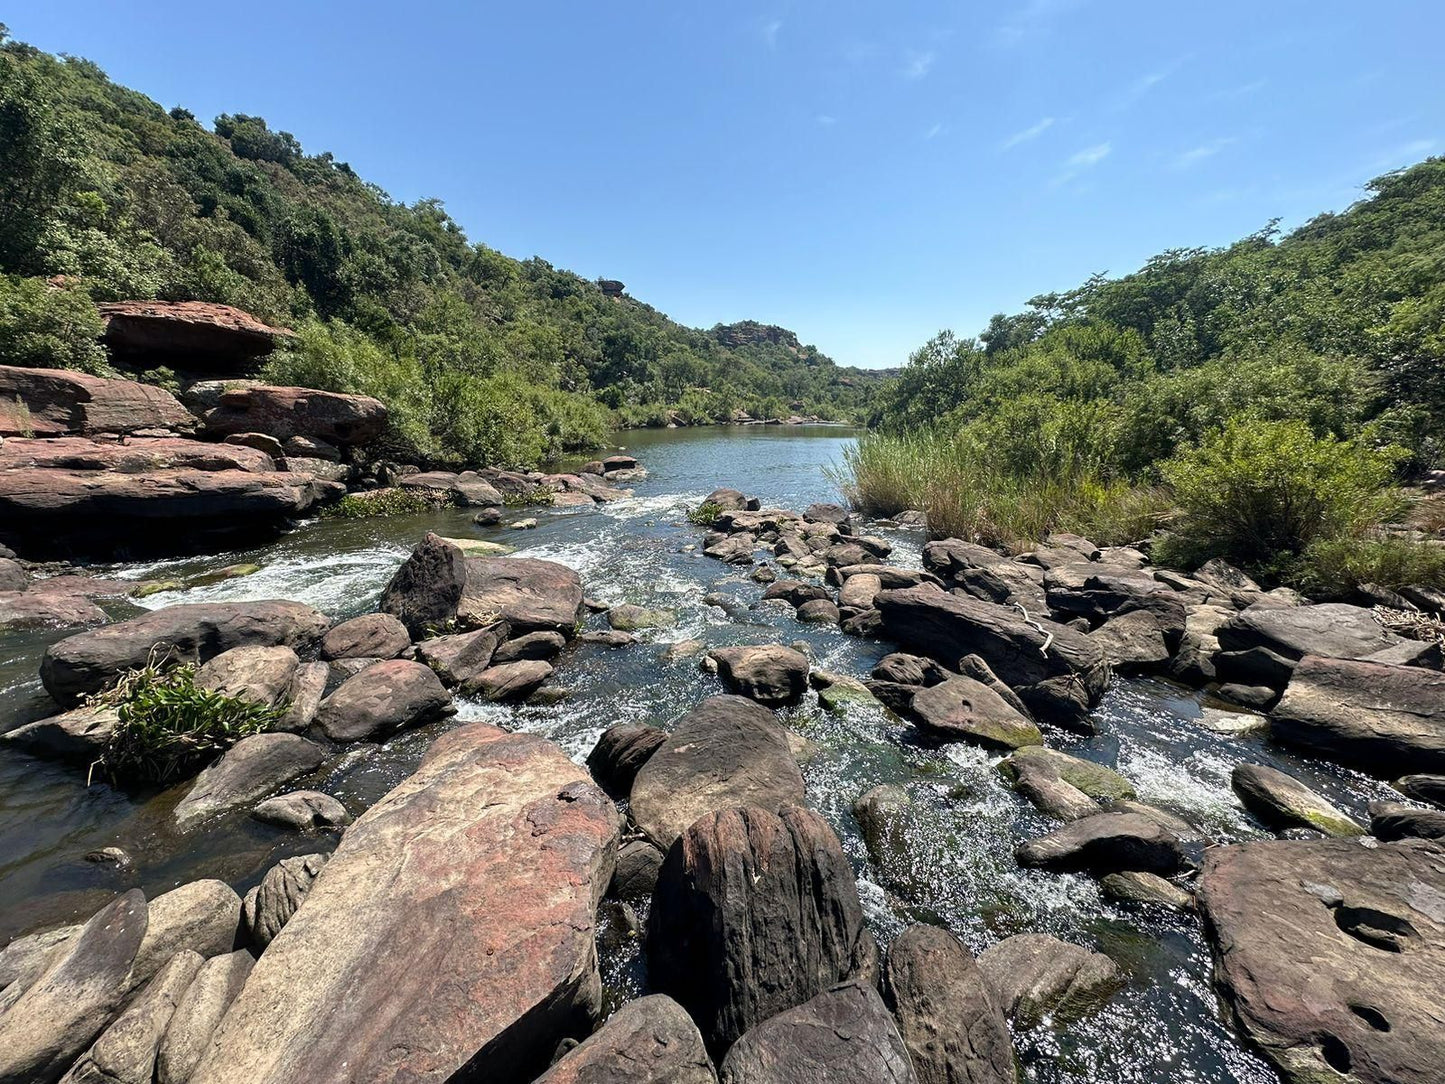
x,y
1280,801
55,402
370,636
948,1018
630,618
1105,843
826,513
457,914
843,1034
534,645
755,912
1132,642
1392,821
252,768
1039,781
1170,822
733,549
125,1053
511,681
1258,697
683,649
79,736
91,661
608,638
197,1013
620,752
308,688
835,691
1095,780
1098,592
770,674
647,1041
1068,678
1263,646
1423,788
962,709
302,810
111,856
270,905
1330,955
725,752
461,658
763,574
795,592
1034,975
1389,719
66,1008
262,675
906,669
382,699
882,815
638,866
819,611
730,500
1132,886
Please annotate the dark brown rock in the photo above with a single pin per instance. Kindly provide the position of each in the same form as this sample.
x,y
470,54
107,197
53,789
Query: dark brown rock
x,y
621,751
755,912
1262,646
771,674
188,334
647,1041
1034,975
1392,821
1105,843
638,866
343,420
1423,788
510,681
57,402
370,636
382,699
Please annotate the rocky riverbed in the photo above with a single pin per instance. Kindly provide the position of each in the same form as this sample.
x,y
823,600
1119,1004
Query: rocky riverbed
x,y
780,793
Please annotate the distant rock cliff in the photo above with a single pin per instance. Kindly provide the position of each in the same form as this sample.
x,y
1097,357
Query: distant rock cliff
x,y
752,333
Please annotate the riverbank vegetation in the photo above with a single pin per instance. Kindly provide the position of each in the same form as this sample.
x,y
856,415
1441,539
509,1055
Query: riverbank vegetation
x,y
1261,402
482,359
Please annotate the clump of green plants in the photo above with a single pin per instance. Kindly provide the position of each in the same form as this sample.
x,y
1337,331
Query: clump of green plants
x,y
170,727
384,502
540,497
45,327
705,514
1334,568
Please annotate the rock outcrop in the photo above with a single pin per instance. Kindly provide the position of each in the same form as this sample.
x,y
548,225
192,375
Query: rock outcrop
x,y
280,412
453,929
755,912
187,334
647,1041
60,402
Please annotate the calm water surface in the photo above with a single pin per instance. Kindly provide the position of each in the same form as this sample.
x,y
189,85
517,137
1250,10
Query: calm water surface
x,y
1166,1026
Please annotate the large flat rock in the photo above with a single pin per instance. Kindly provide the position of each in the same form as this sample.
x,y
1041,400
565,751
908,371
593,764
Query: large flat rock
x,y
1332,955
192,334
1263,645
133,455
91,661
284,412
454,926
58,402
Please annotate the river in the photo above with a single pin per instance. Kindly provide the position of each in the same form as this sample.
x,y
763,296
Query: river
x,y
1166,1025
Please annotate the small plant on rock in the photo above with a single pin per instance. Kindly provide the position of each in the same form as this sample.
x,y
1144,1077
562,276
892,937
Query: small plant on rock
x,y
705,514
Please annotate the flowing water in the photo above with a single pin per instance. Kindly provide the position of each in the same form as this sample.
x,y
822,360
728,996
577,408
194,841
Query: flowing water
x,y
959,870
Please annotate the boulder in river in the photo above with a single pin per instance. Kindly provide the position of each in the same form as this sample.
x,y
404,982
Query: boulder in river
x,y
282,412
1053,668
1391,821
628,617
385,697
511,680
459,659
262,675
1105,843
1039,780
842,1034
771,674
1132,886
1332,955
638,866
453,927
755,912
65,1009
91,661
947,1014
56,402
251,769
647,1041
1423,788
302,810
1263,646
370,636
271,903
1096,780
725,752
1282,801
79,735
199,916
1379,717
1034,975
962,709
620,752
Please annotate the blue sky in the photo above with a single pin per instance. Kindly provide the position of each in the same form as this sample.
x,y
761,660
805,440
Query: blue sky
x,y
864,173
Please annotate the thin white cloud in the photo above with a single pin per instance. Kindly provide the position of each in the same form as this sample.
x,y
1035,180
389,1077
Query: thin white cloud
x,y
933,132
827,120
1033,131
918,65
769,29
1083,160
1194,155
1035,17
1146,83
1244,90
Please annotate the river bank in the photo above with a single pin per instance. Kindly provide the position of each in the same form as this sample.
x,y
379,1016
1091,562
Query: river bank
x,y
965,821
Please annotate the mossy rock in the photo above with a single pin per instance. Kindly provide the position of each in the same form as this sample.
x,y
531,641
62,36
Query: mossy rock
x,y
480,547
230,572
630,618
155,587
1098,782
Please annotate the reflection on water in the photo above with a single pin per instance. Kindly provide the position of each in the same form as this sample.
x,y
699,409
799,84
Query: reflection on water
x,y
964,823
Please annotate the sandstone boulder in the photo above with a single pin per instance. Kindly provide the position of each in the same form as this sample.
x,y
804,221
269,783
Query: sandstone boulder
x,y
57,402
370,636
197,1013
726,752
302,810
647,1041
1280,801
1105,843
510,681
755,912
962,709
1034,975
262,675
459,659
342,420
771,674
251,769
1392,821
1263,645
620,752
79,736
271,903
186,334
453,927
385,697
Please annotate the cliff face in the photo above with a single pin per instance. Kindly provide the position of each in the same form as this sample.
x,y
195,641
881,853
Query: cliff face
x,y
752,333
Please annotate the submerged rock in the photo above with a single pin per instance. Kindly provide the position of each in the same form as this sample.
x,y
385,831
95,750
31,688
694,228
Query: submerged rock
x,y
647,1041
1332,955
453,926
630,618
1034,975
1132,886
843,1034
947,1015
882,815
755,912
1392,821
725,752
1095,780
1281,801
302,810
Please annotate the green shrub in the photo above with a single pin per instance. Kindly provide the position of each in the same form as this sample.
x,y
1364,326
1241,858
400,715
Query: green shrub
x,y
705,514
47,328
384,502
1260,494
1335,567
170,728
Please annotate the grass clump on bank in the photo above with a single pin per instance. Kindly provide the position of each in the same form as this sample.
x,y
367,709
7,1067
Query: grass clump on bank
x,y
170,727
384,502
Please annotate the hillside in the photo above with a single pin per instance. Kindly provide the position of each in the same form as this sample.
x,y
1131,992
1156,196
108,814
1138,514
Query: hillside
x,y
482,358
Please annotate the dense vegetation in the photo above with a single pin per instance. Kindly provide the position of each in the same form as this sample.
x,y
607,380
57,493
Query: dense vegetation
x,y
482,358
1259,400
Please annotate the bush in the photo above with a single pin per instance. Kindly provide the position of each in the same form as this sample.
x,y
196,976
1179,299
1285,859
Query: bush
x,y
1334,568
170,728
384,502
1260,494
47,328
705,514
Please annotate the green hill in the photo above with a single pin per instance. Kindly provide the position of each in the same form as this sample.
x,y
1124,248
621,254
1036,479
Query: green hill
x,y
482,358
